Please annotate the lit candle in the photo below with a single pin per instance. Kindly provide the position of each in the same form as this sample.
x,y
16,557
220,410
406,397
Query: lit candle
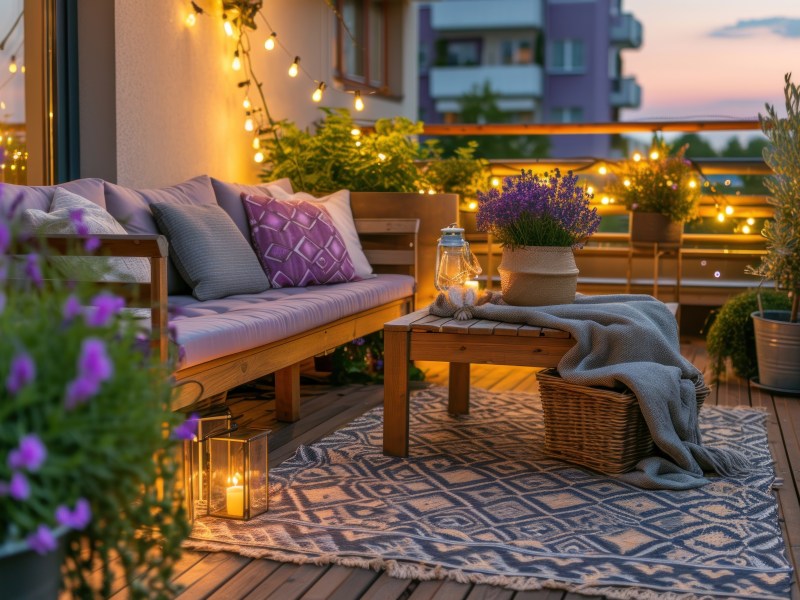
x,y
235,499
472,284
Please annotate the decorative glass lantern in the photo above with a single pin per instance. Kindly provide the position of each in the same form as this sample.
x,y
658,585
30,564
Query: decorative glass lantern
x,y
236,481
455,263
193,462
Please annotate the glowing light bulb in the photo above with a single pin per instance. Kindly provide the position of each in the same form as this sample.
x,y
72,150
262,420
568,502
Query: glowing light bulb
x,y
472,205
745,229
654,155
358,103
358,144
721,217
495,182
717,274
431,192
421,191
727,182
627,183
317,95
256,143
12,66
259,157
729,210
751,221
294,69
270,43
191,19
355,131
589,190
2,105
246,104
637,157
381,156
692,183
236,65
604,200
602,170
248,124
227,27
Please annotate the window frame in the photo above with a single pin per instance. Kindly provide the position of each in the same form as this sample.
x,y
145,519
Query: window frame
x,y
366,81
569,66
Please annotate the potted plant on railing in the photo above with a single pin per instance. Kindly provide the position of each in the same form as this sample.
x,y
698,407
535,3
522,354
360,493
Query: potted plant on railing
x,y
661,190
538,220
87,463
778,332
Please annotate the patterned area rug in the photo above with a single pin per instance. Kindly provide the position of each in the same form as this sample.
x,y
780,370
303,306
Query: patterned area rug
x,y
478,501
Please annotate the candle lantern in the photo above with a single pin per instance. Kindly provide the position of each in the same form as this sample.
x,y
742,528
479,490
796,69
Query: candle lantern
x,y
236,485
455,263
193,463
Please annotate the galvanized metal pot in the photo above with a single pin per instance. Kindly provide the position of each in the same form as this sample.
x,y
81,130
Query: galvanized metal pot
x,y
777,350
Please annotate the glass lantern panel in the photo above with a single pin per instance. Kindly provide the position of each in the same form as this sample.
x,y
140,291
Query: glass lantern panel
x,y
237,474
194,464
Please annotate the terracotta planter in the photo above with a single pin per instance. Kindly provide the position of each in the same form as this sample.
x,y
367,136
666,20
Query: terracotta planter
x,y
654,228
538,275
777,350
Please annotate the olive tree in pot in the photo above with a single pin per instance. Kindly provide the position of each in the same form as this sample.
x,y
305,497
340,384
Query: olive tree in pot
x,y
778,332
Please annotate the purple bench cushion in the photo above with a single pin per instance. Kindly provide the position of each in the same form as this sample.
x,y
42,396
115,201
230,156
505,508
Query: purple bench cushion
x,y
132,209
215,328
40,197
229,197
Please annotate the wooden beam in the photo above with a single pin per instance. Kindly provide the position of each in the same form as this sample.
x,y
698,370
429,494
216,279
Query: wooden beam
x,y
589,128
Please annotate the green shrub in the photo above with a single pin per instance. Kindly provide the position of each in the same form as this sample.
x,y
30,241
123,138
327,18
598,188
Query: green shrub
x,y
732,336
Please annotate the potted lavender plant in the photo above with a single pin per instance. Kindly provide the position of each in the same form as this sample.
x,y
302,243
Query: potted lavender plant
x,y
538,220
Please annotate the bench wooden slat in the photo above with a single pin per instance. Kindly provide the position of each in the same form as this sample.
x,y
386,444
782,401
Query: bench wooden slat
x,y
483,326
429,323
507,329
555,333
456,326
528,331
404,323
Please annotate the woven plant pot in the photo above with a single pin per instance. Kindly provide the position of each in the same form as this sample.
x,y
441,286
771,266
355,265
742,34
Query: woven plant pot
x,y
538,275
655,228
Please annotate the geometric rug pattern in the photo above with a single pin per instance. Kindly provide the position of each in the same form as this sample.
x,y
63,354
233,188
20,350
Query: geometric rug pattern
x,y
477,500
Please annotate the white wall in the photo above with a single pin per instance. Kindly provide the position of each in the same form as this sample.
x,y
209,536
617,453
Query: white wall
x,y
178,110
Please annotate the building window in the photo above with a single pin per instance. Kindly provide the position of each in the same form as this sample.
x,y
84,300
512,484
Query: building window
x,y
516,52
567,56
365,44
567,114
458,53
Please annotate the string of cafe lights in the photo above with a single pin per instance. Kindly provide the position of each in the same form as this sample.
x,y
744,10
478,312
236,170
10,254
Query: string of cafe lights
x,y
13,154
238,25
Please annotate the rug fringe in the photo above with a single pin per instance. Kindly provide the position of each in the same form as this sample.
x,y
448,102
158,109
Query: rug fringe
x,y
402,570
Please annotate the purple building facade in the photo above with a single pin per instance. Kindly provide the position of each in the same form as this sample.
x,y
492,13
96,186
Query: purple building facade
x,y
545,61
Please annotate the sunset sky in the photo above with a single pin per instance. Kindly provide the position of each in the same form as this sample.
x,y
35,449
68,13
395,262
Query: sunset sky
x,y
712,58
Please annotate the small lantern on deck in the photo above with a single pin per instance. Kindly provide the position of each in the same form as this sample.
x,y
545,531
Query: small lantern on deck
x,y
455,263
193,463
236,485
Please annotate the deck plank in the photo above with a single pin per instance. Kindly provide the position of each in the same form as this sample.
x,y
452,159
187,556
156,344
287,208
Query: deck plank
x,y
341,583
287,582
386,588
245,581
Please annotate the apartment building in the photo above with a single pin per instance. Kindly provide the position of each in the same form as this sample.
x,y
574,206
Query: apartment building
x,y
545,61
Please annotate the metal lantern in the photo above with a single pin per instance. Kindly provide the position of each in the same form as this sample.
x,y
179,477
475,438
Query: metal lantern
x,y
455,263
193,462
236,481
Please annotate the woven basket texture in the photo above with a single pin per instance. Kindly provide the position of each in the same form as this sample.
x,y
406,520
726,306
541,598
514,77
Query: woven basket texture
x,y
599,428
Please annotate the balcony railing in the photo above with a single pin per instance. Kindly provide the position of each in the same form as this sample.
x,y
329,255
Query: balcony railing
x,y
523,82
626,31
480,15
625,93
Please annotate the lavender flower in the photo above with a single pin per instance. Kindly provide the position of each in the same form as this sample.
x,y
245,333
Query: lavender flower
x,y
533,210
30,454
18,488
106,306
78,518
33,271
42,540
94,367
5,237
188,429
23,371
71,309
80,390
76,218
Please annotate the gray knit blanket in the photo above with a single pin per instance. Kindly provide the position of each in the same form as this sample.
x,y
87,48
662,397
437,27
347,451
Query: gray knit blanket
x,y
632,340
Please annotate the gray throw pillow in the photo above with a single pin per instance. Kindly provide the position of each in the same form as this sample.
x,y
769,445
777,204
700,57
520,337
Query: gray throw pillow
x,y
209,251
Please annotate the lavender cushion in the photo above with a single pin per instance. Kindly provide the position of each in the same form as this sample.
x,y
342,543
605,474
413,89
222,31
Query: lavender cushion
x,y
297,243
40,197
229,197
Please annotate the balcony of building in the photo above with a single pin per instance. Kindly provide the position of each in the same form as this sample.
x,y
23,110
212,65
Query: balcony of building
x,y
626,31
482,15
518,87
625,93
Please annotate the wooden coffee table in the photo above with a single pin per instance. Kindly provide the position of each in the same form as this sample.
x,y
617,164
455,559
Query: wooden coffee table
x,y
421,336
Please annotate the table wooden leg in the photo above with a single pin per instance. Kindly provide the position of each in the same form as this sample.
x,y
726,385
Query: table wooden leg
x,y
287,393
458,396
396,346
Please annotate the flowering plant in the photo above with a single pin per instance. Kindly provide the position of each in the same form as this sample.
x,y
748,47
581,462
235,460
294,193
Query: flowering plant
x,y
533,210
659,182
86,455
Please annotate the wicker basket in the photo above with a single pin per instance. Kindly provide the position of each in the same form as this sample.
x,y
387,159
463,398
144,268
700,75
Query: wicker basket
x,y
599,428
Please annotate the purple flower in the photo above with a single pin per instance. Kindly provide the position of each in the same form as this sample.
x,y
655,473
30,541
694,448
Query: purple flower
x,y
23,371
5,237
78,518
72,308
359,341
42,540
2,300
106,306
80,390
76,217
19,488
30,454
33,271
188,429
91,244
94,361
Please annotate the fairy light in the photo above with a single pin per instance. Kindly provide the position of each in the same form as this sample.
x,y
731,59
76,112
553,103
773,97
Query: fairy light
x,y
721,217
654,155
729,210
602,170
269,45
358,103
355,132
317,95
295,68
692,183
590,190
227,26
191,19
246,104
236,65
259,157
248,124
12,66
381,156
256,143
604,200
745,229
751,221
495,182
472,205
637,157
627,183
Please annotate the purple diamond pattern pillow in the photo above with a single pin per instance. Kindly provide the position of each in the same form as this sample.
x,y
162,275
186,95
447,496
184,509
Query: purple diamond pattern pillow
x,y
297,243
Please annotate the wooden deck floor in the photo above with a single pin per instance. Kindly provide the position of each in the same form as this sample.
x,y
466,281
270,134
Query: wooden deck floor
x,y
232,577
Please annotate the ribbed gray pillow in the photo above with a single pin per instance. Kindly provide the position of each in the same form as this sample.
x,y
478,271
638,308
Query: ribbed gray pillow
x,y
209,251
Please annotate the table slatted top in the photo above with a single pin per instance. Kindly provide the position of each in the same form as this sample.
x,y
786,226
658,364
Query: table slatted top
x,y
421,320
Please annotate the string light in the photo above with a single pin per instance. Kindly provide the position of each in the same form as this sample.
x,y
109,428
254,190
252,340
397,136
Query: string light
x,y
590,190
745,229
729,210
721,217
751,221
270,43
317,95
295,68
12,66
259,157
246,103
627,183
692,183
227,26
236,65
637,157
355,131
248,123
602,169
654,155
358,103
495,182
256,143
191,19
